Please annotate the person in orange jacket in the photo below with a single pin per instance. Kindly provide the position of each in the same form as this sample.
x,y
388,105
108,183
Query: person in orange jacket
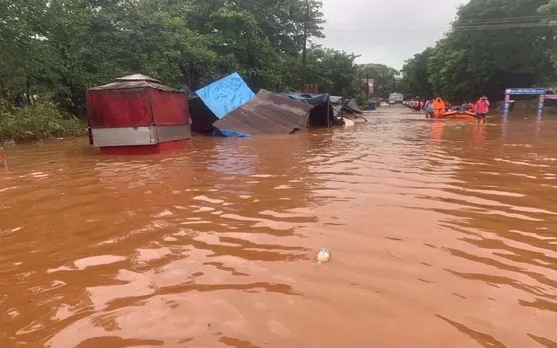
x,y
438,107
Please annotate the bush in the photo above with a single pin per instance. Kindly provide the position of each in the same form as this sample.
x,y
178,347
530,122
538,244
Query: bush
x,y
43,120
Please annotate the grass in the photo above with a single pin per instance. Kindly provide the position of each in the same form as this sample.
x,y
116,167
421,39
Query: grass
x,y
42,121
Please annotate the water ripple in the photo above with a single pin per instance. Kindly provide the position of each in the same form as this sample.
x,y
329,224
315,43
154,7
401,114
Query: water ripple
x,y
441,236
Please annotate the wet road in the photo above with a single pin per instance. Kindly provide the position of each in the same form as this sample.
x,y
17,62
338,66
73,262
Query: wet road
x,y
442,234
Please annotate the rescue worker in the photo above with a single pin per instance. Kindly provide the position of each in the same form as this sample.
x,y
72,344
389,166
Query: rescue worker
x,y
429,109
438,107
482,108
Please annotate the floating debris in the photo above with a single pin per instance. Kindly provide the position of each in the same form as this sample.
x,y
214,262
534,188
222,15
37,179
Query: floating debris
x,y
324,255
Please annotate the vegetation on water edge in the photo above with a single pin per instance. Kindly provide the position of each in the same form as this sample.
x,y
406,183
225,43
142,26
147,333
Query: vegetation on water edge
x,y
60,48
41,121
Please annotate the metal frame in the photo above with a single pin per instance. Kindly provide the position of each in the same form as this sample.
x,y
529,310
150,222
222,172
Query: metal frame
x,y
133,136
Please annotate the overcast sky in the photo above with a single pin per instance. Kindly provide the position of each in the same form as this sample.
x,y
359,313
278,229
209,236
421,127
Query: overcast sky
x,y
386,31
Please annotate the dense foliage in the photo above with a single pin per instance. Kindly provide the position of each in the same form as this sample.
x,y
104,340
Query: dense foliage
x,y
385,78
493,45
44,120
58,48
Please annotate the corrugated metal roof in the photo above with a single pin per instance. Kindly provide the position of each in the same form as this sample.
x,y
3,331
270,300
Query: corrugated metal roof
x,y
134,81
267,113
352,106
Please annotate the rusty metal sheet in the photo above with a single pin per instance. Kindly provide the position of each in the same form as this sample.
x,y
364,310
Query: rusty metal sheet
x,y
267,113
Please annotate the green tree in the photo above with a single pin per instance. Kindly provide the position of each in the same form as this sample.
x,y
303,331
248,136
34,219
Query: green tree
x,y
333,71
385,78
414,80
488,50
59,48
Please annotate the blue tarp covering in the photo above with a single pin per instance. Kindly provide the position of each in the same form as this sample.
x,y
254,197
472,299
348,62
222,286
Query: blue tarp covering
x,y
229,134
225,95
313,100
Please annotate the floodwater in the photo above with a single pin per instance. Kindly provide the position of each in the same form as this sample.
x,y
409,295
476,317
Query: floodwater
x,y
442,235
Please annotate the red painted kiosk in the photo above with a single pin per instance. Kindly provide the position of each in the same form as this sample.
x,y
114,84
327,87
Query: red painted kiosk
x,y
137,115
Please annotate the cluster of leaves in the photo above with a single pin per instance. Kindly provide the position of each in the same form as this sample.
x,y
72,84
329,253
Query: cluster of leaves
x,y
488,49
61,47
44,120
386,79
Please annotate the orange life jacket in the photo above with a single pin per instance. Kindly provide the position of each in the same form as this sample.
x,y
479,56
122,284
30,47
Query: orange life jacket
x,y
438,107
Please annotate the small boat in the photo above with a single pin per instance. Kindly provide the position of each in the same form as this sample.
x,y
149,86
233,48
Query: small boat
x,y
459,115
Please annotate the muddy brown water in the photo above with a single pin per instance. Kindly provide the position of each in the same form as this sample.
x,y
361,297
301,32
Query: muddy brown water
x,y
442,235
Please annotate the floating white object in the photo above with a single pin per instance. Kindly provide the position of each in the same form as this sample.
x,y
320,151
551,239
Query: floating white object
x,y
349,123
324,255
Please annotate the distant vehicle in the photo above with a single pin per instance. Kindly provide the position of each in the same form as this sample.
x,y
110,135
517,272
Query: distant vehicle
x,y
396,98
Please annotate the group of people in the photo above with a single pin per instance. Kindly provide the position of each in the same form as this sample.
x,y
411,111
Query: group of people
x,y
436,108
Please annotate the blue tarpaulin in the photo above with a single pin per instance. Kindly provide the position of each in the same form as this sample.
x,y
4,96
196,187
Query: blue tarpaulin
x,y
229,134
225,95
313,100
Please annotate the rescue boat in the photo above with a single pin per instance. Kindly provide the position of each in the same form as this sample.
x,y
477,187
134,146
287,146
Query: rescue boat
x,y
458,115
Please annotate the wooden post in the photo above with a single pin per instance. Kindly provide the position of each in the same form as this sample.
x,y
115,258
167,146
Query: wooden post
x,y
367,91
360,83
328,113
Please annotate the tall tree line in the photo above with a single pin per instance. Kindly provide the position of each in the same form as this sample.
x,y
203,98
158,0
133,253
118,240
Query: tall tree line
x,y
493,45
58,48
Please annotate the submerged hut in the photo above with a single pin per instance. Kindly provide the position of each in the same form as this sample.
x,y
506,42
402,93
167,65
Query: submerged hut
x,y
322,113
266,113
214,101
351,107
137,114
228,107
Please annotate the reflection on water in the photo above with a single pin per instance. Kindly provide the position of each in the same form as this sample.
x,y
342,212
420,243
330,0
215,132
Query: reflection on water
x,y
443,235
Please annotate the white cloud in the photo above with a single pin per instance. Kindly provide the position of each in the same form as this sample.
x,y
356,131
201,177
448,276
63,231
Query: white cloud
x,y
386,31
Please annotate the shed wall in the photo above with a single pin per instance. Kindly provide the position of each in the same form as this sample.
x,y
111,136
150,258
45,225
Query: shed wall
x,y
119,108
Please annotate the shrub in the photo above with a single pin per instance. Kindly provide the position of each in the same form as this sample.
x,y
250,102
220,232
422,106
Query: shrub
x,y
43,120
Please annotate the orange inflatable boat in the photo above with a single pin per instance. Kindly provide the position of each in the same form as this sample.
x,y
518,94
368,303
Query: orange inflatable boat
x,y
455,115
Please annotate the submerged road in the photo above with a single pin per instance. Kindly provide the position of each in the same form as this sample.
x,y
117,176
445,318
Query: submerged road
x,y
443,234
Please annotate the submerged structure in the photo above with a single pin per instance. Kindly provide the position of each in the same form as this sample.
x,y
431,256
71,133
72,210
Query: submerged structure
x,y
228,107
322,113
214,101
137,114
266,113
351,107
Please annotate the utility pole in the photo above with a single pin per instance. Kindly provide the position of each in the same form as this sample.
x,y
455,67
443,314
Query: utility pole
x,y
304,49
367,89
360,82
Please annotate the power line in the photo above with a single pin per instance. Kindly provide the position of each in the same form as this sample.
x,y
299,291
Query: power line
x,y
462,28
505,19
474,24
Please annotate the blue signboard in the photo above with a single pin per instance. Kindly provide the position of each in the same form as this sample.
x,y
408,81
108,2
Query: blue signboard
x,y
525,91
